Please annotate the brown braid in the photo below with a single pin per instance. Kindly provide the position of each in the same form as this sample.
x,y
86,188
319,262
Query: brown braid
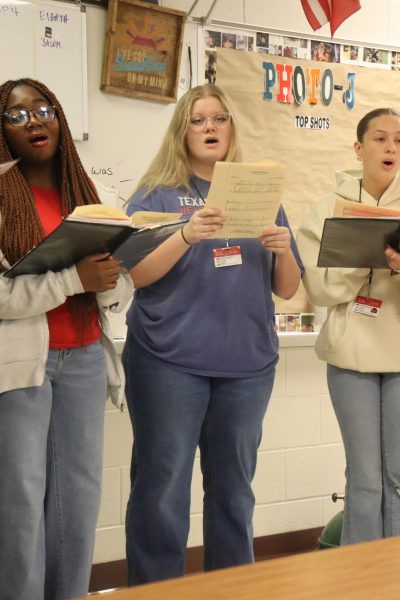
x,y
20,227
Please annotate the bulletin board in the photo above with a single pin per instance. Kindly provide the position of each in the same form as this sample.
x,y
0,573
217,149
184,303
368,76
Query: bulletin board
x,y
47,41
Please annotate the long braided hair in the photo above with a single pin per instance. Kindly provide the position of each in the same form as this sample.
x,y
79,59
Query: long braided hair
x,y
20,227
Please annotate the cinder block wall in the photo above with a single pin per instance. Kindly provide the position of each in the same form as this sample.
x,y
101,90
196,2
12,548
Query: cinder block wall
x,y
300,463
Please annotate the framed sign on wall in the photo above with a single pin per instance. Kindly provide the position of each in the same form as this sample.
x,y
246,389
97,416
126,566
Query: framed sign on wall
x,y
143,50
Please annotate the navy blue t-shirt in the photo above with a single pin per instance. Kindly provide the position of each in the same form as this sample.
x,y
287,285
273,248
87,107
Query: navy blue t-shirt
x,y
206,320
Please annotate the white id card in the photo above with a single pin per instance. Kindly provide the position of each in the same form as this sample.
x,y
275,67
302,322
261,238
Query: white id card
x,y
227,257
367,306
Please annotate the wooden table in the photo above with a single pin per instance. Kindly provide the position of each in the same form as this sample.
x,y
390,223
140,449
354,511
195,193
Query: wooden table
x,y
368,571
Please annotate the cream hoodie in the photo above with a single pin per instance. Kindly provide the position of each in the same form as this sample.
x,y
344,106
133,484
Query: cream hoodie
x,y
351,340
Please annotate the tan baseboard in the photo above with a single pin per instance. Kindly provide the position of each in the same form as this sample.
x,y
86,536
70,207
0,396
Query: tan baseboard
x,y
114,574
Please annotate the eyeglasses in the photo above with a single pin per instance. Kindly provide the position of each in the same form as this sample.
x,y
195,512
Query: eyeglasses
x,y
220,120
18,117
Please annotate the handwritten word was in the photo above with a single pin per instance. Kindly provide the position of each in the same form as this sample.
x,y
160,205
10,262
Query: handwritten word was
x,y
296,85
101,171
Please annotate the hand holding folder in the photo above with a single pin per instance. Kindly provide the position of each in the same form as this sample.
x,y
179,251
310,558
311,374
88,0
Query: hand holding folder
x,y
358,238
94,229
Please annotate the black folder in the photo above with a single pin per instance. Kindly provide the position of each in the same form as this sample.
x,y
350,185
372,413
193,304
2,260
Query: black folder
x,y
357,242
73,240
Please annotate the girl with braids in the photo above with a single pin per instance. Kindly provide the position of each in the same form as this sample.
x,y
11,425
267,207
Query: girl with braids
x,y
53,368
200,354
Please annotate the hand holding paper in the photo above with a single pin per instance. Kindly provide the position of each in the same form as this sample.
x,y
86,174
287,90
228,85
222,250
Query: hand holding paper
x,y
204,224
277,240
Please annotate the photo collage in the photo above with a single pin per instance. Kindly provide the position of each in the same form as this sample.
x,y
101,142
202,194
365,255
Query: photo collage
x,y
295,323
292,47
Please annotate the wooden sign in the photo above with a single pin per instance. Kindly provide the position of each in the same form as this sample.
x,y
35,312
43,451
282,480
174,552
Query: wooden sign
x,y
142,51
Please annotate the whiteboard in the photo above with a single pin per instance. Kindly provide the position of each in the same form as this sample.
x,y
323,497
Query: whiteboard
x,y
47,41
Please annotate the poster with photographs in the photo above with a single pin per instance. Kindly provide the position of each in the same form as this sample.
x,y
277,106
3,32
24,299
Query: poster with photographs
x,y
376,58
325,51
295,323
275,46
281,45
262,42
395,61
366,57
350,54
288,47
212,39
230,39
210,65
296,47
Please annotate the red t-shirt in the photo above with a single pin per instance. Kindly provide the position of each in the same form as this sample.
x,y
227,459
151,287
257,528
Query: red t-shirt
x,y
62,329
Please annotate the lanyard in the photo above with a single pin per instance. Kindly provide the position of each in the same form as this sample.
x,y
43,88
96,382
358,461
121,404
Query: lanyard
x,y
371,270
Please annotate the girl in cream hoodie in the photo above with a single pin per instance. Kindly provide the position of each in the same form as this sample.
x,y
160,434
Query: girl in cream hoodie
x,y
363,350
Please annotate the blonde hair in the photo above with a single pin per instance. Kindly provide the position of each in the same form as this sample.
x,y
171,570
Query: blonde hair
x,y
170,167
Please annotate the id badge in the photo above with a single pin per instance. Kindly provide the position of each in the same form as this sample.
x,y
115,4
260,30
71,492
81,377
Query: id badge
x,y
227,257
367,306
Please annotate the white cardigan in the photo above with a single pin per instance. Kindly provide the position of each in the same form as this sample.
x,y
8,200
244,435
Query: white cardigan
x,y
24,334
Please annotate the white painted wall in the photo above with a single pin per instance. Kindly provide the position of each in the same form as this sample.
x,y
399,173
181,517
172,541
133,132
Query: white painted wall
x,y
301,459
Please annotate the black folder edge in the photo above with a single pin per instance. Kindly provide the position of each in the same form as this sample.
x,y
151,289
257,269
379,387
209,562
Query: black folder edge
x,y
73,240
365,242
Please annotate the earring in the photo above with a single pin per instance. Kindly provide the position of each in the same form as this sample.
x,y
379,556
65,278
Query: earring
x,y
359,158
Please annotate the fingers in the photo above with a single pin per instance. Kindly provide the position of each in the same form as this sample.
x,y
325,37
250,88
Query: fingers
x,y
208,217
393,258
390,253
203,224
276,239
98,273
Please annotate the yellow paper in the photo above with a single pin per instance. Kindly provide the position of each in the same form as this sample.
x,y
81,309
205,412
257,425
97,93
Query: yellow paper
x,y
248,194
99,212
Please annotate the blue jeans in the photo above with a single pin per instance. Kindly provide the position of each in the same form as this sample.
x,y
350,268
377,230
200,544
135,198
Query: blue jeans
x,y
367,407
51,446
172,413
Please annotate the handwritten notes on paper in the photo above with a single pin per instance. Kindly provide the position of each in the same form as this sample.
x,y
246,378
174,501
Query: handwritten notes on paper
x,y
249,194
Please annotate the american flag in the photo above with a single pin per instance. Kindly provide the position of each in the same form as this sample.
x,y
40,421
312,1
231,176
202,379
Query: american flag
x,y
334,12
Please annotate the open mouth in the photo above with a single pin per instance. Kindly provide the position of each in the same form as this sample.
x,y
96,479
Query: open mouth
x,y
38,140
211,141
388,163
